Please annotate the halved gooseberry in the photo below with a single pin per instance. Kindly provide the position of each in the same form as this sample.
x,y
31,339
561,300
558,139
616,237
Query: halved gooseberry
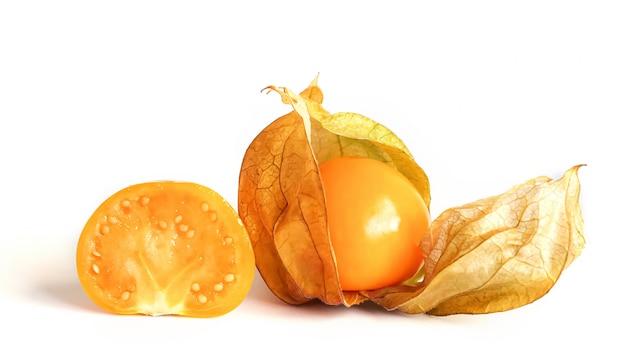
x,y
376,220
165,248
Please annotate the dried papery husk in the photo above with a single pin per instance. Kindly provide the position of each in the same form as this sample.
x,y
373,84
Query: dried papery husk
x,y
491,255
498,253
281,199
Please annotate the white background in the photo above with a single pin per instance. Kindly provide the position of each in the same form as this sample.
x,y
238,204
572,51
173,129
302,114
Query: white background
x,y
96,96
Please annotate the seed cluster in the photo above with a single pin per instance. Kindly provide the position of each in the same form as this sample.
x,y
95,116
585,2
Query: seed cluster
x,y
229,278
201,292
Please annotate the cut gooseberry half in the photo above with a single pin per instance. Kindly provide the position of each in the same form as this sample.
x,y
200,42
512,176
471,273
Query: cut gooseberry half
x,y
165,248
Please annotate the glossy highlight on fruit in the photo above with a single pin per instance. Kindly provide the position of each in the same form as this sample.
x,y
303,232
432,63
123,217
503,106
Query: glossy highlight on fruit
x,y
164,248
376,220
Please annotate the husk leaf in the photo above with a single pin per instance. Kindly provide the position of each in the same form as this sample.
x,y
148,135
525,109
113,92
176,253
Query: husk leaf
x,y
491,255
497,253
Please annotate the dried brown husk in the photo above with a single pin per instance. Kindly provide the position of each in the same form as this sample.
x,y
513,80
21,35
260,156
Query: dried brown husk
x,y
491,255
498,253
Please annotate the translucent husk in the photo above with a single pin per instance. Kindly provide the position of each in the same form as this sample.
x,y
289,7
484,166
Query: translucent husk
x,y
490,255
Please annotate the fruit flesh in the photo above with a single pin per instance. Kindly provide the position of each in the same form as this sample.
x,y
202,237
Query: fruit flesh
x,y
165,248
376,220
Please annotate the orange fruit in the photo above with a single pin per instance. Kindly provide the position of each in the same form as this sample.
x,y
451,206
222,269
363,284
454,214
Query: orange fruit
x,y
164,248
376,221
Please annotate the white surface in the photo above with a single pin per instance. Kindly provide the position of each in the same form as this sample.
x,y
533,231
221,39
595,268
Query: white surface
x,y
98,96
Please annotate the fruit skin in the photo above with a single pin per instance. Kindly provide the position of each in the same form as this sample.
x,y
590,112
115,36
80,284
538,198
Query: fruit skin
x,y
376,220
165,248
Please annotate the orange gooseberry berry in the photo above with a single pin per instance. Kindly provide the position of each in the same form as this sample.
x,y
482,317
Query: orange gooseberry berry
x,y
376,220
